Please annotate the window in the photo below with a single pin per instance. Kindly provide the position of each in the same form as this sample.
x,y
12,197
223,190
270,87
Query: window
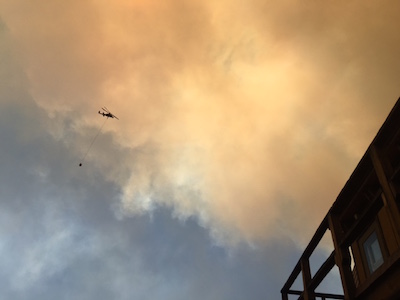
x,y
373,252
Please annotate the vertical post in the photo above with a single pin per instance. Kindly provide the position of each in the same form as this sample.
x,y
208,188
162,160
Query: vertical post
x,y
285,296
342,257
306,272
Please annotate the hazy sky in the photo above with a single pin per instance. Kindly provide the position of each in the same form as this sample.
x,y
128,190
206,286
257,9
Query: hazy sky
x,y
240,121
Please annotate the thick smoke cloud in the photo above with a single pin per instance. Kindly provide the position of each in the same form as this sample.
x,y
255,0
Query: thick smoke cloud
x,y
231,112
59,237
238,120
239,124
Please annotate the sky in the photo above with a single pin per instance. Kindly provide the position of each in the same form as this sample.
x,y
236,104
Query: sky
x,y
239,123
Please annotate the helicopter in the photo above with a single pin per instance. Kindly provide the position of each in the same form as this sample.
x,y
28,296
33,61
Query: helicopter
x,y
107,113
104,113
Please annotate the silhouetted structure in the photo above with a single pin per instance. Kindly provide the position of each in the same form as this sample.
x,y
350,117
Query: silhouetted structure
x,y
365,225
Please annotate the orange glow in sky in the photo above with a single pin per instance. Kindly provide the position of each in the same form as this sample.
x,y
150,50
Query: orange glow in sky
x,y
250,115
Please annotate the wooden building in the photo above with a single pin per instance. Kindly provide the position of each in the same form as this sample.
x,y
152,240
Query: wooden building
x,y
364,222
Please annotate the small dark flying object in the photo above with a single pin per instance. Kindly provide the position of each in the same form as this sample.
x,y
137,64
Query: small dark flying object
x,y
104,113
107,113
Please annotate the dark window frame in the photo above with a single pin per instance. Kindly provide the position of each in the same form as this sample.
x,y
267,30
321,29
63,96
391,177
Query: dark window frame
x,y
374,227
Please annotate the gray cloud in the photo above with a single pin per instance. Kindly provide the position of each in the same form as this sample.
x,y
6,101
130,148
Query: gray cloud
x,y
60,237
239,125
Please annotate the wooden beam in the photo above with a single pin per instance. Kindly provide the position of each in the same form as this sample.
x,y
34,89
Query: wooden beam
x,y
322,272
318,235
306,272
318,295
342,258
295,273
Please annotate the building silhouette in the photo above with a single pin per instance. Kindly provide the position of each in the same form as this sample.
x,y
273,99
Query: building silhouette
x,y
364,222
